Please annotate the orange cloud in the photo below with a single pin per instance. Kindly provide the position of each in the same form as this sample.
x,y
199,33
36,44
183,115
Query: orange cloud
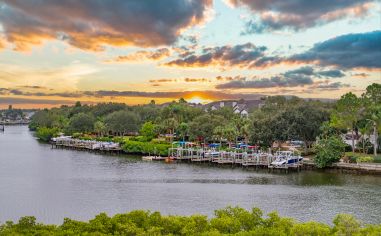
x,y
157,55
91,25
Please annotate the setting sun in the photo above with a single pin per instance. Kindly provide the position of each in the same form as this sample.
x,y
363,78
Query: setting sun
x,y
198,100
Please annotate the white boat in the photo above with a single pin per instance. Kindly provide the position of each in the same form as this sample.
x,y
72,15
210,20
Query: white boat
x,y
286,157
152,158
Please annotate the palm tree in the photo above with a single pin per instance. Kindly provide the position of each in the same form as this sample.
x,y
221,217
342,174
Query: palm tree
x,y
245,130
170,125
230,133
183,130
218,132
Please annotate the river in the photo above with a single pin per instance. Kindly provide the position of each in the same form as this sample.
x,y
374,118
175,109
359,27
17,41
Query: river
x,y
55,183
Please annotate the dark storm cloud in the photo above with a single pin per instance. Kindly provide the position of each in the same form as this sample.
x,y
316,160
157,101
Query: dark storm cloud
x,y
275,81
332,73
90,25
241,55
292,78
310,71
331,86
270,15
361,50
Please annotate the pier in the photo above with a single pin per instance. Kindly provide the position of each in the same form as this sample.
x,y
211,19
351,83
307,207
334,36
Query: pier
x,y
69,142
244,156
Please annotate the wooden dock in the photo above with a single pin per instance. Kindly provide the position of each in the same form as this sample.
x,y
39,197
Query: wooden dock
x,y
78,144
244,159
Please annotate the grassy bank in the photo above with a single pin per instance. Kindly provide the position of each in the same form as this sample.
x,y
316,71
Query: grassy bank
x,y
228,221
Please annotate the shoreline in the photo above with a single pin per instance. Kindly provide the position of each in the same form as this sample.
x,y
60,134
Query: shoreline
x,y
348,168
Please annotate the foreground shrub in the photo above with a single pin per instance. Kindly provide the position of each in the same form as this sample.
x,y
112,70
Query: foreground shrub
x,y
228,221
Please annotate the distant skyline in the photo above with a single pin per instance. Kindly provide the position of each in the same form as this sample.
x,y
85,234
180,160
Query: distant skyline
x,y
55,52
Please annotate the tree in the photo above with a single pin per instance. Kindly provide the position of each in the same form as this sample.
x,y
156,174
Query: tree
x,y
78,104
81,123
243,127
328,151
122,122
303,122
347,114
230,133
183,130
46,134
202,127
372,103
43,118
218,132
100,127
170,125
148,130
182,100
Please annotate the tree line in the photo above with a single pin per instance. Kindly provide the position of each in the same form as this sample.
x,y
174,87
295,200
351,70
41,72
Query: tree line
x,y
278,119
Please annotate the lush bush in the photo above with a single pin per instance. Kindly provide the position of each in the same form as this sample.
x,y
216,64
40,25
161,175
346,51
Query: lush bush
x,y
228,221
328,151
148,131
46,134
145,148
352,158
362,159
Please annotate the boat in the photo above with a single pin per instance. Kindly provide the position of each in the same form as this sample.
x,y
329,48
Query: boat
x,y
286,158
152,158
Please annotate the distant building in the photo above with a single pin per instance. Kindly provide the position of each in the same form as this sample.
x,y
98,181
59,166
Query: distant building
x,y
241,107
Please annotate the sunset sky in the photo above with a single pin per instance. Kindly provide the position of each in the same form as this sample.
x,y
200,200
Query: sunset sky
x,y
55,52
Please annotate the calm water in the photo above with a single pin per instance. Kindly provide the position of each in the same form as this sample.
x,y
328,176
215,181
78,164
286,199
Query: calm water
x,y
52,184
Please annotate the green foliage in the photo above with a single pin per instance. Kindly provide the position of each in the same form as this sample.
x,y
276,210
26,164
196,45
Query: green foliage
x,y
363,159
377,159
46,134
81,123
345,224
328,151
281,119
145,148
148,130
122,122
228,221
183,130
202,127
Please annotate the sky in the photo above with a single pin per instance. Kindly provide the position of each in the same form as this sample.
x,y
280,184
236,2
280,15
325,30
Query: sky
x,y
55,52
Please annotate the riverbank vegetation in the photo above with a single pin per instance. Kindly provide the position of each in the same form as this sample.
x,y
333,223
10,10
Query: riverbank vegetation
x,y
228,221
319,126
